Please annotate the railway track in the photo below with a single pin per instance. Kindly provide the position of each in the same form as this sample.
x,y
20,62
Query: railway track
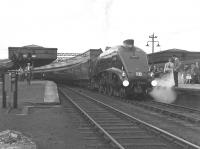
x,y
173,106
176,111
180,112
90,136
122,130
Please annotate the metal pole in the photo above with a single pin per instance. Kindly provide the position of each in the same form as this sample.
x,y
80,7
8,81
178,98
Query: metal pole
x,y
16,91
153,43
3,91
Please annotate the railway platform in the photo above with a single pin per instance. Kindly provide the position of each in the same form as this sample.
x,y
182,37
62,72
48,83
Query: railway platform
x,y
41,117
38,92
188,95
190,89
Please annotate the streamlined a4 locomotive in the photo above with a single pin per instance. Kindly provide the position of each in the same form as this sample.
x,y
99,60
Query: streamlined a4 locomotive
x,y
119,71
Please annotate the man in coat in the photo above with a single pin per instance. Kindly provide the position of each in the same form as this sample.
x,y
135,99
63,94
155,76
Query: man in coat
x,y
177,65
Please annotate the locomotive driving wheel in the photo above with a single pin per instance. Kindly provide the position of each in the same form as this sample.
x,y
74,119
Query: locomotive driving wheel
x,y
122,92
104,90
91,85
110,91
100,89
115,92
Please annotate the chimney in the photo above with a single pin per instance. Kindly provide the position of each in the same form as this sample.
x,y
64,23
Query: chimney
x,y
129,43
107,48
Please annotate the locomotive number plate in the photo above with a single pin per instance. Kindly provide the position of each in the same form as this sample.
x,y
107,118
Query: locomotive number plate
x,y
138,73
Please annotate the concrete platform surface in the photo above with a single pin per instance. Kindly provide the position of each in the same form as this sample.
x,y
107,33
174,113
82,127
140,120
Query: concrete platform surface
x,y
51,93
189,87
38,92
49,126
195,86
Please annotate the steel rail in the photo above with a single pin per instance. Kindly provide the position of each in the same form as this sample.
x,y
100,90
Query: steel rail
x,y
173,138
115,142
165,112
176,106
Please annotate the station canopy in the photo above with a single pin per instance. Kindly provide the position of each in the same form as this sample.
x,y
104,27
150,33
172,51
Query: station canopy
x,y
163,56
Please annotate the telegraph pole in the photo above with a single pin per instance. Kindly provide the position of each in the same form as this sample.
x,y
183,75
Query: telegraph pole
x,y
153,41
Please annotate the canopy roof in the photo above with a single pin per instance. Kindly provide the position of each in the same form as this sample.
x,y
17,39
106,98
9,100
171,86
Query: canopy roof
x,y
32,46
163,56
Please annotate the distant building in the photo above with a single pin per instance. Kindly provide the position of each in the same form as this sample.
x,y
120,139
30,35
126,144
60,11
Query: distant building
x,y
34,54
163,56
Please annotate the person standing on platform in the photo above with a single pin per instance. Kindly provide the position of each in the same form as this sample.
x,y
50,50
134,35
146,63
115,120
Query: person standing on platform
x,y
198,72
169,66
29,73
195,72
177,65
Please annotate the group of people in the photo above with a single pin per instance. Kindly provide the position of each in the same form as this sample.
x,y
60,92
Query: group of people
x,y
188,73
192,73
173,66
25,73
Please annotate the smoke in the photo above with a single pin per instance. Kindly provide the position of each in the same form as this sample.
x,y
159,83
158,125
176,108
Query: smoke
x,y
164,92
107,11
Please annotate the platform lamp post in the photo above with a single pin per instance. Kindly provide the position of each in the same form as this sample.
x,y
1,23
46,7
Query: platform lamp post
x,y
153,41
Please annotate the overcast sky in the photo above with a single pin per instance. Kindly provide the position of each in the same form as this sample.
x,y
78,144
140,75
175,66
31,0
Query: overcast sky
x,y
78,25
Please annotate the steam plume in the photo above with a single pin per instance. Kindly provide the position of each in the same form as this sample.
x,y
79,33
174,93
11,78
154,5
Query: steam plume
x,y
164,91
107,12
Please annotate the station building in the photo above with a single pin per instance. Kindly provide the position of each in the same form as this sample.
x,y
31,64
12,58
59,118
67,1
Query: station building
x,y
36,55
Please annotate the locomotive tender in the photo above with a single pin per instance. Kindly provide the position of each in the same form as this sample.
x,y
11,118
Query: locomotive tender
x,y
119,71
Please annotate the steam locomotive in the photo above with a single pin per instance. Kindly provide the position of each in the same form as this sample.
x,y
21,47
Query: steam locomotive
x,y
118,71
